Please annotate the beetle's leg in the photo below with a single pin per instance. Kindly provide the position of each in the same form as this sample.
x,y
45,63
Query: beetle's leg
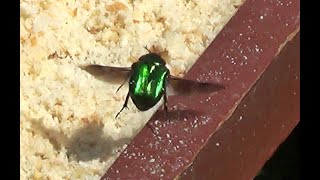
x,y
125,105
153,132
165,103
122,85
165,98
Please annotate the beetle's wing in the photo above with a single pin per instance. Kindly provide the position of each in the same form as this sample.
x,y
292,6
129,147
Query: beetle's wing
x,y
108,73
181,86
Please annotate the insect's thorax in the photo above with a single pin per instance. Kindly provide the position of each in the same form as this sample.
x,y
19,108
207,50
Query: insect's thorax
x,y
147,81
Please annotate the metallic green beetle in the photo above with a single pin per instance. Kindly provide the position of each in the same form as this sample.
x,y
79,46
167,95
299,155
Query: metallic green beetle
x,y
149,79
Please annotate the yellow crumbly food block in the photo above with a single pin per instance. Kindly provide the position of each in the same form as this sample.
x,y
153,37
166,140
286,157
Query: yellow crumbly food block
x,y
67,125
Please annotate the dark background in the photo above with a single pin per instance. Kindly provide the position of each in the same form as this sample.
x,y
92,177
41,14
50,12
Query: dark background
x,y
284,164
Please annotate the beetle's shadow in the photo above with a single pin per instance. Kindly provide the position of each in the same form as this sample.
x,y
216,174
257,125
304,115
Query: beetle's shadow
x,y
176,114
86,144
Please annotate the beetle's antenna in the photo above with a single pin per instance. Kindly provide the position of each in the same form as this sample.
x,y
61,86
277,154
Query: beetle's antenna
x,y
147,49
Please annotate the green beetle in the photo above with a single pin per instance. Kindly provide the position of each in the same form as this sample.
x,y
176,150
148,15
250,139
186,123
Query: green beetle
x,y
149,79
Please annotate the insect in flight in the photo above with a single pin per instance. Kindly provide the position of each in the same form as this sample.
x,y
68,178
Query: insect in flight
x,y
149,81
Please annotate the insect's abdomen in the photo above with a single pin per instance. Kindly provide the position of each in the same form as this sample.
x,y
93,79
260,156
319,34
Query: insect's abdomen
x,y
147,84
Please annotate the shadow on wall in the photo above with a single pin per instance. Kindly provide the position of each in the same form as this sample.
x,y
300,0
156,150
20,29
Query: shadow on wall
x,y
85,144
89,143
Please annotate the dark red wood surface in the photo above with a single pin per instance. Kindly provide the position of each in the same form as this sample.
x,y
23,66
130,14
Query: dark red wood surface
x,y
237,58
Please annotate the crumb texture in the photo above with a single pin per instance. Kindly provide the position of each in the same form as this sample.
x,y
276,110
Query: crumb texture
x,y
67,125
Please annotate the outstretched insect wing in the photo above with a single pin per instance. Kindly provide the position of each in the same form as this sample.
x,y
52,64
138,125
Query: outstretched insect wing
x,y
108,73
181,86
